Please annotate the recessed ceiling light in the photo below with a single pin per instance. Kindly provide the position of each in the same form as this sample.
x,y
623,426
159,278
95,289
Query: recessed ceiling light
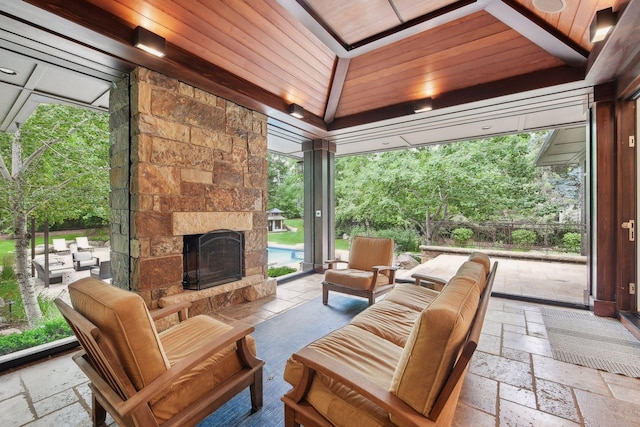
x,y
550,6
385,143
8,71
486,127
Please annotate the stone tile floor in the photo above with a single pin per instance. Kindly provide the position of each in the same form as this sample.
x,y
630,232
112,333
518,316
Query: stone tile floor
x,y
512,381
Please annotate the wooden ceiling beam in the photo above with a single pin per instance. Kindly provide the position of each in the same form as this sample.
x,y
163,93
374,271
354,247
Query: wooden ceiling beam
x,y
510,86
535,29
337,84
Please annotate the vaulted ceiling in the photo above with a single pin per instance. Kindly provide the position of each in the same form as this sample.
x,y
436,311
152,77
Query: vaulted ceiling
x,y
356,67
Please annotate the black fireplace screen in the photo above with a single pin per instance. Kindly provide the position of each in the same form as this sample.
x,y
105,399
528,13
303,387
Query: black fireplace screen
x,y
212,259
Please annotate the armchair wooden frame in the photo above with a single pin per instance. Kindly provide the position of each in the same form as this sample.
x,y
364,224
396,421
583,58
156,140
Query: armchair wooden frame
x,y
298,412
370,294
113,392
365,257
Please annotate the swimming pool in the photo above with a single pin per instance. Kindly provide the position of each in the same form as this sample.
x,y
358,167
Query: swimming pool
x,y
284,256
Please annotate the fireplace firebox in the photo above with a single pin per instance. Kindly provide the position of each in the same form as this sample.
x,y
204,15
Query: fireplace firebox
x,y
212,259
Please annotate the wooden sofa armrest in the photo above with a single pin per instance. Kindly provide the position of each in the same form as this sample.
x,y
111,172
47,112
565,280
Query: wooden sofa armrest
x,y
182,308
335,261
236,335
314,361
431,282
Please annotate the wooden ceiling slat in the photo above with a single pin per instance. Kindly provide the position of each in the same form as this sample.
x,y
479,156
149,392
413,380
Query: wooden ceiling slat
x,y
357,98
357,19
249,54
574,20
460,55
411,9
445,38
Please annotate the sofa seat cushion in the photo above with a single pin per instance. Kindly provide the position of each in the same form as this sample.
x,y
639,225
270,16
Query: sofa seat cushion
x,y
388,320
182,340
364,352
412,296
355,279
434,344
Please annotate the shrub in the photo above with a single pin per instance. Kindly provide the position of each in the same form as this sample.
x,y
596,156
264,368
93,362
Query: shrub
x,y
280,271
51,331
572,242
405,240
523,239
462,235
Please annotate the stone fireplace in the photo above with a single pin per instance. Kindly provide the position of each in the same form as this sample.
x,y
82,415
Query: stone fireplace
x,y
184,163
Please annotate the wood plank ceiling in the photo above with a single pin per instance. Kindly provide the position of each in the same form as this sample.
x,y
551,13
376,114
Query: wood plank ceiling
x,y
348,63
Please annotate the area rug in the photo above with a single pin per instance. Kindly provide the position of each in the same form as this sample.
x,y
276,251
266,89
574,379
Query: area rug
x,y
595,342
276,339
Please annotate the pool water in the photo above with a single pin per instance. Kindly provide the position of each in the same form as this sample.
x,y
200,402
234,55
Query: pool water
x,y
284,256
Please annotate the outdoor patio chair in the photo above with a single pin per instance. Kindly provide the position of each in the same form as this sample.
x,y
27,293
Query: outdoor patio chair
x,y
60,245
84,261
102,272
369,271
83,244
144,377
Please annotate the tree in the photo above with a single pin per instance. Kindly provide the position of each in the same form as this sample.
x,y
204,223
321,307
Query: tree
x,y
489,179
285,186
58,170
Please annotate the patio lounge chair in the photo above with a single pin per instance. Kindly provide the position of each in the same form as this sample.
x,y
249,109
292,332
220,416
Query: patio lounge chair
x,y
144,377
60,245
369,272
83,244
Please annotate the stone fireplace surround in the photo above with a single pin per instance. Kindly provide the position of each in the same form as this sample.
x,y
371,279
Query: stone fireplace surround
x,y
184,161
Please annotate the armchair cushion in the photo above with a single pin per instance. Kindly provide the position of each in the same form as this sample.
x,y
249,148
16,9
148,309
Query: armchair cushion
x,y
180,341
357,279
367,252
126,324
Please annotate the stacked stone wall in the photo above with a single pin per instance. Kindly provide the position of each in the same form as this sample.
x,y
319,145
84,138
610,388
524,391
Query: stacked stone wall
x,y
198,164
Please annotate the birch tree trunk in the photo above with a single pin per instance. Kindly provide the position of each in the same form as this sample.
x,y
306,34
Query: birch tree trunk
x,y
20,235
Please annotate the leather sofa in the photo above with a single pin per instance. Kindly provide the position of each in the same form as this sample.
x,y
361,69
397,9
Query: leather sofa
x,y
400,362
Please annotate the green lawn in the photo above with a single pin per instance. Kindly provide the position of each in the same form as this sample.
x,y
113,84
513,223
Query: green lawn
x,y
292,238
7,246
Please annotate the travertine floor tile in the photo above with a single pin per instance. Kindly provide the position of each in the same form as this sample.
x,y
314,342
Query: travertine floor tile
x,y
568,374
514,415
600,410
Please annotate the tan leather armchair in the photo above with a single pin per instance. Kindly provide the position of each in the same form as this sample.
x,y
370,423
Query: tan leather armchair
x,y
369,271
143,377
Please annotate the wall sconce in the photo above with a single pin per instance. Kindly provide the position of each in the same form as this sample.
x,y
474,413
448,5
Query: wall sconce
x,y
422,105
149,42
603,21
300,166
296,111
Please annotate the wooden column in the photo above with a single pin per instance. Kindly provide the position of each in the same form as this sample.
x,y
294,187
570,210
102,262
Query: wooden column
x,y
604,213
625,204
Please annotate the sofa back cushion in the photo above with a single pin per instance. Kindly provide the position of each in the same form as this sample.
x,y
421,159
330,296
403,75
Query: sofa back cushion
x,y
434,344
475,272
125,324
366,252
482,259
